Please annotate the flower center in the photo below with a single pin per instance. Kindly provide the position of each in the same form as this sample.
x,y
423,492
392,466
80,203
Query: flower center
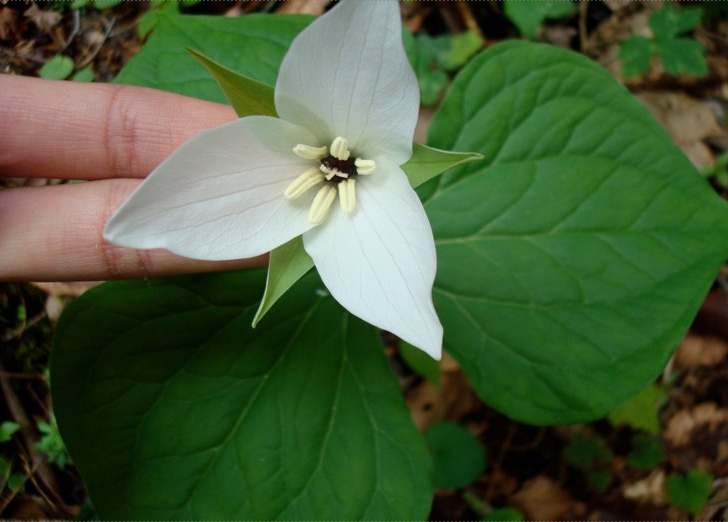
x,y
337,172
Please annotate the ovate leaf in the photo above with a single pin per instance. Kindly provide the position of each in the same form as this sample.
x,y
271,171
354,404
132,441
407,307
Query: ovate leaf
x,y
573,258
173,407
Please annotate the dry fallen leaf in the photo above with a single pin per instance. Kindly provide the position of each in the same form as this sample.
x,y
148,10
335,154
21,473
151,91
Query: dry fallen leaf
x,y
312,7
453,401
703,416
66,289
696,351
8,21
541,498
650,489
44,20
687,121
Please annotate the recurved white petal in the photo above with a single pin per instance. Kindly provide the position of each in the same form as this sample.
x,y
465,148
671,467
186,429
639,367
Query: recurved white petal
x,y
379,262
220,195
347,75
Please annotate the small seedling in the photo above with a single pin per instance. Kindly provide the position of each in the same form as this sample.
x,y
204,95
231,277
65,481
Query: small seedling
x,y
57,68
458,458
646,453
641,412
7,429
420,363
719,172
437,56
51,443
84,75
528,16
689,492
590,454
679,54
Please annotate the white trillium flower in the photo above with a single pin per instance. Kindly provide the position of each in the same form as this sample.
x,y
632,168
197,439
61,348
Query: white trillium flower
x,y
348,103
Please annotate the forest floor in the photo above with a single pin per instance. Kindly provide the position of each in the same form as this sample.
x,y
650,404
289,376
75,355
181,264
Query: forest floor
x,y
634,464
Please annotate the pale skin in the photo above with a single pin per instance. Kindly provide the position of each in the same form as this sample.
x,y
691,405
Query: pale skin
x,y
110,135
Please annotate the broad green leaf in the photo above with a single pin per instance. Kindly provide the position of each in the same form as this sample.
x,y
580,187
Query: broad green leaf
x,y
636,55
689,493
420,362
528,15
682,56
288,263
670,21
252,45
457,456
572,260
147,23
57,68
247,96
641,412
172,407
646,453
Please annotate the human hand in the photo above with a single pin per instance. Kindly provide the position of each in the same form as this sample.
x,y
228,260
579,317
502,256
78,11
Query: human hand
x,y
109,135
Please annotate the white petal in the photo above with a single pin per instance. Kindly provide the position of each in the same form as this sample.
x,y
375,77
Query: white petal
x,y
347,75
379,262
220,195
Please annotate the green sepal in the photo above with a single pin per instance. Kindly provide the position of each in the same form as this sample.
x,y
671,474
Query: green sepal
x,y
288,263
429,162
248,97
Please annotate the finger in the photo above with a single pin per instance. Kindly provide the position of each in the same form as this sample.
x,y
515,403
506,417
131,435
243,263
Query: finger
x,y
77,130
53,233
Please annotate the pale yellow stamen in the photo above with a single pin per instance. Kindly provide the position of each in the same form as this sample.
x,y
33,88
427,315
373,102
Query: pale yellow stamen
x,y
340,149
302,183
322,204
364,166
347,195
310,153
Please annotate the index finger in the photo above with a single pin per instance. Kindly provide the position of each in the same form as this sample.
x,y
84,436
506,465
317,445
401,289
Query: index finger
x,y
71,130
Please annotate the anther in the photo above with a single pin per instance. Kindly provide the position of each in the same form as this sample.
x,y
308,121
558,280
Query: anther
x,y
340,149
364,166
321,204
303,182
310,153
347,195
